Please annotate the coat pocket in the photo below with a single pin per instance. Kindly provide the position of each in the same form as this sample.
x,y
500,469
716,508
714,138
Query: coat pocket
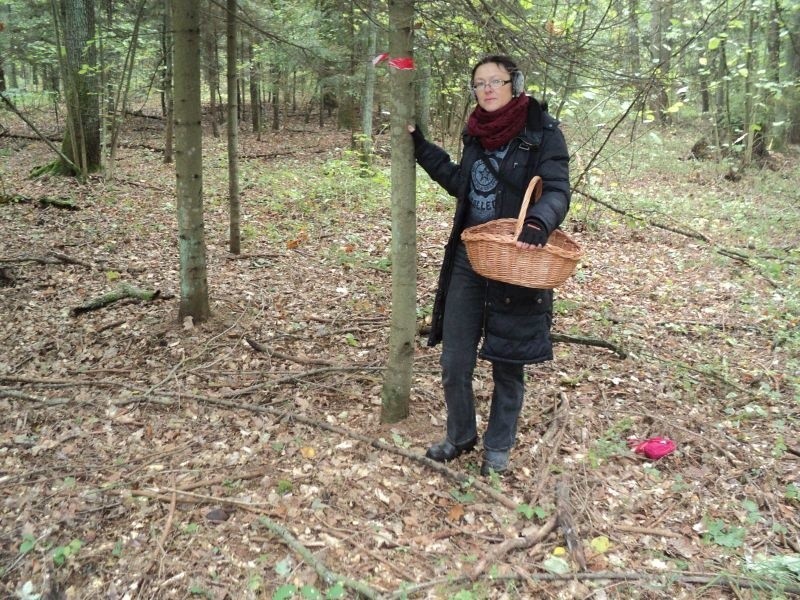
x,y
518,322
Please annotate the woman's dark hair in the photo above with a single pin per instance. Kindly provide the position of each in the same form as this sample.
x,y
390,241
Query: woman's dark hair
x,y
499,59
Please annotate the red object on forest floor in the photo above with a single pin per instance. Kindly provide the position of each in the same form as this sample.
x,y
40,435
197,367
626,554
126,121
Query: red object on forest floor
x,y
653,448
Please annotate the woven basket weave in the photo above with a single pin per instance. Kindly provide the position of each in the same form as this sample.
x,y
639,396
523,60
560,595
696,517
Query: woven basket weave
x,y
493,253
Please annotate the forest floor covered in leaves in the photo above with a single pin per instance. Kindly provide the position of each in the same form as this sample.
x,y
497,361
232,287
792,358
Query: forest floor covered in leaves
x,y
244,457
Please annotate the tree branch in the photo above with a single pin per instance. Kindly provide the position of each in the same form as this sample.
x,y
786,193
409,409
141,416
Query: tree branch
x,y
67,161
122,292
326,574
696,235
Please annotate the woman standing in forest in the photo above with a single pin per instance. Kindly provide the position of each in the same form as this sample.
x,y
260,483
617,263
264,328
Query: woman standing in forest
x,y
508,140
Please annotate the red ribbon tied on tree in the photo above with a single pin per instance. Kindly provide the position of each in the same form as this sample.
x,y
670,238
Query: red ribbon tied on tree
x,y
653,448
402,64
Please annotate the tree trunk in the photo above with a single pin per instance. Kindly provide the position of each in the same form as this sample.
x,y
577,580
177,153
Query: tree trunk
x,y
369,88
189,161
773,133
399,370
749,125
424,95
721,108
346,115
255,100
212,75
5,12
660,53
793,134
82,139
169,105
121,99
276,94
634,56
233,130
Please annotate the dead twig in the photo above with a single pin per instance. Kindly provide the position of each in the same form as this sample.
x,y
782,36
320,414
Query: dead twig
x,y
223,478
185,497
695,235
457,476
666,577
11,393
551,442
122,292
168,526
42,137
645,530
517,543
259,347
379,444
566,523
328,576
587,341
53,258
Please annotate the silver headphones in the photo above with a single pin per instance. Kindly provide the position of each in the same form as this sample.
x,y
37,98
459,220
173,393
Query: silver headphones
x,y
517,85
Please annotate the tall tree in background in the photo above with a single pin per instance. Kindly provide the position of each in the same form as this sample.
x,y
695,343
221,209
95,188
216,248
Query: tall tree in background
x,y
167,106
255,91
76,23
399,370
660,52
189,161
368,99
793,52
212,65
5,11
346,115
234,241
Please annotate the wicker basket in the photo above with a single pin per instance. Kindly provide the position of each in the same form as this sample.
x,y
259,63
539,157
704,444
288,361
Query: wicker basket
x,y
493,252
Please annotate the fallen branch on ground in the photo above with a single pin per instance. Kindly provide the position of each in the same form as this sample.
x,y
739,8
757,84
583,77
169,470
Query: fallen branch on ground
x,y
741,257
65,203
517,543
10,393
566,523
329,577
586,341
662,577
379,444
52,258
122,292
551,444
52,146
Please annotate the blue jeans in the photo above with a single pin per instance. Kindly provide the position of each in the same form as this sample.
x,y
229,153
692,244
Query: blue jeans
x,y
462,330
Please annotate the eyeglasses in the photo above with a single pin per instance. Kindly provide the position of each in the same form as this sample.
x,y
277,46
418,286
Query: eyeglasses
x,y
494,84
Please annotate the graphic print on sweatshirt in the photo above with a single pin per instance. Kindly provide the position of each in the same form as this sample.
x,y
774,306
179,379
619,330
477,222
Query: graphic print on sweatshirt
x,y
483,188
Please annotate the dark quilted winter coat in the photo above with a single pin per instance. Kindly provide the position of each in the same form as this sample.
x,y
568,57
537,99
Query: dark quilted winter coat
x,y
517,319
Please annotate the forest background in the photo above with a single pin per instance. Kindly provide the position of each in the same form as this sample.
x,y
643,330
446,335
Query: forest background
x,y
194,364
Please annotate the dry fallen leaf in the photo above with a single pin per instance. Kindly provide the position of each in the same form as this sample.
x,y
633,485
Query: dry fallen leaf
x,y
456,513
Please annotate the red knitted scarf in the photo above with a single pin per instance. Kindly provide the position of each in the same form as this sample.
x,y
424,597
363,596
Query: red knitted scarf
x,y
496,128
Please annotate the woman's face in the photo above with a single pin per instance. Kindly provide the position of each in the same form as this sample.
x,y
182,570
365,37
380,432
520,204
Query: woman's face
x,y
490,99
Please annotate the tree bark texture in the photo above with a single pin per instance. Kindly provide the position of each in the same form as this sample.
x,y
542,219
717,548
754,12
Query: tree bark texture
x,y
169,107
794,73
189,161
397,381
233,131
82,139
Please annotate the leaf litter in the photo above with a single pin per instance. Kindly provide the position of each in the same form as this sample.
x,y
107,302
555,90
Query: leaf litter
x,y
146,458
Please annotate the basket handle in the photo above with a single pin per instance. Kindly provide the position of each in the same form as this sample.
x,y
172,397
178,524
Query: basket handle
x,y
535,190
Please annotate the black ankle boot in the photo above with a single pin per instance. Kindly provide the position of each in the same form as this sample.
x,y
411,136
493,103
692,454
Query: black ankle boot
x,y
444,451
494,460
